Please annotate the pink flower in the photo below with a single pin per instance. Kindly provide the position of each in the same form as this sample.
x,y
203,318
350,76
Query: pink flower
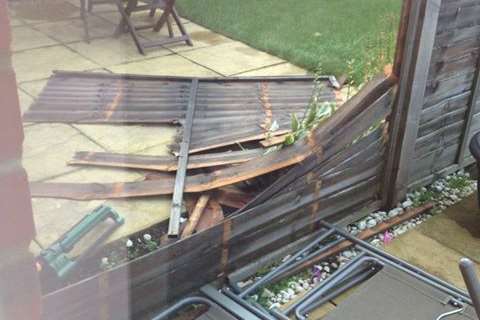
x,y
387,238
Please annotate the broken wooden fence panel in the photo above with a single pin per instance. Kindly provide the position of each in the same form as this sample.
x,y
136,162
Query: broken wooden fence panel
x,y
228,110
359,120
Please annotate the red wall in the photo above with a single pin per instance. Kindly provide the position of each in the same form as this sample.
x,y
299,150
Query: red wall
x,y
20,298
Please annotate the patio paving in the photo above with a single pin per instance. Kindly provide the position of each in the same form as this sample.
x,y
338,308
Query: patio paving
x,y
53,39
438,244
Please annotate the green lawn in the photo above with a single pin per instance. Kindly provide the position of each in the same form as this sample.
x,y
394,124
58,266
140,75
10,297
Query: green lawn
x,y
353,37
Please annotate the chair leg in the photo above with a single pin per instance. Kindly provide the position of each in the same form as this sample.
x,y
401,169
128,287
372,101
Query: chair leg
x,y
126,21
170,29
180,25
90,6
163,18
83,16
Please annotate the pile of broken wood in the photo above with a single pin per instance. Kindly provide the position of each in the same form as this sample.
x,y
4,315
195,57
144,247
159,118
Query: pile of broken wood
x,y
227,125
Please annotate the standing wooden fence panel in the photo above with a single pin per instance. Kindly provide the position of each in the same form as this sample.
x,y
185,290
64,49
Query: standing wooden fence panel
x,y
436,112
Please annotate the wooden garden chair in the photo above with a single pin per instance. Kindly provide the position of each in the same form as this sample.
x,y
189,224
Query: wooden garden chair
x,y
168,7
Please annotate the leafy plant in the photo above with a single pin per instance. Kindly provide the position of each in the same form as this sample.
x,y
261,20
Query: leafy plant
x,y
459,182
315,113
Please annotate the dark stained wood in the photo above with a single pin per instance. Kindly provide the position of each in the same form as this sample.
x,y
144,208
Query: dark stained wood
x,y
163,163
401,37
232,197
352,108
413,82
311,145
212,216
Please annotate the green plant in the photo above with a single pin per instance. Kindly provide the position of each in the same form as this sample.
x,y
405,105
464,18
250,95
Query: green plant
x,y
424,197
459,182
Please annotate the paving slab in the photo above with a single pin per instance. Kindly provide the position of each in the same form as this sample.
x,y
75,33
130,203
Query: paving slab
x,y
231,58
172,65
148,140
283,69
321,312
34,248
113,51
201,37
53,217
458,228
15,21
73,30
25,100
428,254
48,147
38,63
140,18
101,7
33,88
34,12
24,37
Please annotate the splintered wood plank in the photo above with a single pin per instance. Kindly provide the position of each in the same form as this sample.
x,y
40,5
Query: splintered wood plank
x,y
162,163
212,215
196,183
195,215
174,222
273,141
232,197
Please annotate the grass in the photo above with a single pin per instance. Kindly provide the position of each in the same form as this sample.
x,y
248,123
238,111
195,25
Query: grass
x,y
344,37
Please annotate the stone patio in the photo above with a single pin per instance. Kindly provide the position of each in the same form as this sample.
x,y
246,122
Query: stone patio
x,y
53,39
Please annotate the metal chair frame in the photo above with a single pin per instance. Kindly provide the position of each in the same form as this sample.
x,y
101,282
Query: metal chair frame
x,y
369,260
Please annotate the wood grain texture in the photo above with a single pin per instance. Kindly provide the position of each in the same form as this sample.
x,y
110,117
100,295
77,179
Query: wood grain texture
x,y
163,163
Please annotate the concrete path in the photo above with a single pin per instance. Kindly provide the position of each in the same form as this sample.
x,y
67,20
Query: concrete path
x,y
50,37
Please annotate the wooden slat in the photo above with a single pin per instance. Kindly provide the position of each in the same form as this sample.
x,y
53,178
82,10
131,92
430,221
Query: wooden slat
x,y
163,163
174,222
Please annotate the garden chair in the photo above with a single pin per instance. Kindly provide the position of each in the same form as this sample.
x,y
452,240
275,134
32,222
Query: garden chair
x,y
168,7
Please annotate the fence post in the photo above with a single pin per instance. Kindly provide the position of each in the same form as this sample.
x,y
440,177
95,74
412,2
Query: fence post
x,y
404,121
469,115
19,286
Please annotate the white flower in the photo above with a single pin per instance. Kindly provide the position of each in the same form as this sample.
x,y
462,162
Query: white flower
x,y
129,243
104,261
274,126
147,237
